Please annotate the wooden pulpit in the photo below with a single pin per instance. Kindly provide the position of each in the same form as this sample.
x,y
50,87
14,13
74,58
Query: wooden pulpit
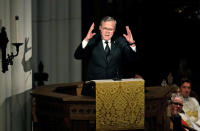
x,y
60,107
119,105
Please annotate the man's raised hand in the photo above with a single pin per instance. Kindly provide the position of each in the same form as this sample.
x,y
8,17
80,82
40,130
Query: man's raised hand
x,y
129,36
90,34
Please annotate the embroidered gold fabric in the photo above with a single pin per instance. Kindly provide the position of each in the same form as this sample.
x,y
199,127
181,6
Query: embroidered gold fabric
x,y
120,104
192,113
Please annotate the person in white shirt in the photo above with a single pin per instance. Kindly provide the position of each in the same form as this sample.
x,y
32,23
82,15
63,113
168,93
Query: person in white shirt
x,y
190,104
181,121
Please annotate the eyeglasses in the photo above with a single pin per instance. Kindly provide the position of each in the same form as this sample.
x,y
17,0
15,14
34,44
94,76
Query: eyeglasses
x,y
108,29
176,103
186,87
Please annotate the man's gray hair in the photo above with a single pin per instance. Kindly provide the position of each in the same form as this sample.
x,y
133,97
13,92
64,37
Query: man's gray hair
x,y
174,95
108,18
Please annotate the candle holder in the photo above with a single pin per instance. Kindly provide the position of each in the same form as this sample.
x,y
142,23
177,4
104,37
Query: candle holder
x,y
11,57
3,45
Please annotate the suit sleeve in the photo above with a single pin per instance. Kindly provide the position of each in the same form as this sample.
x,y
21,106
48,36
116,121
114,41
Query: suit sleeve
x,y
128,53
131,61
83,53
80,52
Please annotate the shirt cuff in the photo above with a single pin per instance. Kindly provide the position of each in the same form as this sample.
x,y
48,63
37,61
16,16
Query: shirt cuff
x,y
133,48
84,43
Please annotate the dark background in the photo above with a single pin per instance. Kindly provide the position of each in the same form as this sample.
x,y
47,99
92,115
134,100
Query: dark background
x,y
166,32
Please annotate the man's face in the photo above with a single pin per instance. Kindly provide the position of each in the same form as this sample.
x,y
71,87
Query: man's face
x,y
185,89
107,29
176,105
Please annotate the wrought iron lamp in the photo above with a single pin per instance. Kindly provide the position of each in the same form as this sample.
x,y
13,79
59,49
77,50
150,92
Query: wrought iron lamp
x,y
3,45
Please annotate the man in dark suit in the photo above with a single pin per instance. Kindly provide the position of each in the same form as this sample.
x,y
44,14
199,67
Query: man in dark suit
x,y
105,54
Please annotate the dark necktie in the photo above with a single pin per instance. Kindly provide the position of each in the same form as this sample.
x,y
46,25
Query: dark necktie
x,y
107,49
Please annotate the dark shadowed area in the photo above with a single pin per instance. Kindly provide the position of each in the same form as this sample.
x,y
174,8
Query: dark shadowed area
x,y
166,33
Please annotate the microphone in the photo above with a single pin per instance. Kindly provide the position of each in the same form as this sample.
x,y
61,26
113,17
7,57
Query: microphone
x,y
117,76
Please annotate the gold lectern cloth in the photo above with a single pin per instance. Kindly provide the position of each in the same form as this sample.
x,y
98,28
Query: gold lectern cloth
x,y
120,104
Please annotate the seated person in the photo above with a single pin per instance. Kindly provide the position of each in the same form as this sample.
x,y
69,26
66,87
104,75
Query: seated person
x,y
181,121
190,104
